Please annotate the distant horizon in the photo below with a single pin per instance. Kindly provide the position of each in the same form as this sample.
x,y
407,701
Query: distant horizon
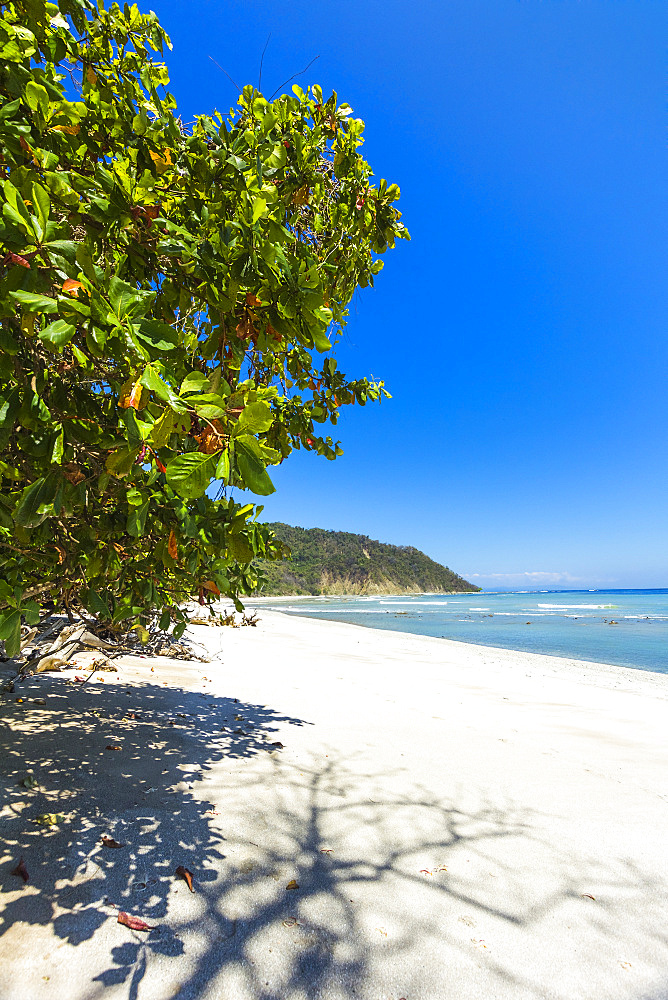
x,y
571,590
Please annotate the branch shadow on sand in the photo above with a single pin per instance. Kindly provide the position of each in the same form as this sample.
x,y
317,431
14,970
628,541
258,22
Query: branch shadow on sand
x,y
394,884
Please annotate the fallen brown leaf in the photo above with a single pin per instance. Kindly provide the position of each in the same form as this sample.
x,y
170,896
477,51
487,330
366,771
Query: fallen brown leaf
x,y
292,884
134,923
21,871
109,841
112,746
186,875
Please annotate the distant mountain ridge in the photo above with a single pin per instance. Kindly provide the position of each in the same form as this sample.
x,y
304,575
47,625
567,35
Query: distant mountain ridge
x,y
339,562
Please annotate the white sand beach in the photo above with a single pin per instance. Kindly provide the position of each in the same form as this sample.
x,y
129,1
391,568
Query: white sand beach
x,y
366,814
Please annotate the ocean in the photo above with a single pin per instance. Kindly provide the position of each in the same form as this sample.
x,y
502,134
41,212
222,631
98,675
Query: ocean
x,y
625,627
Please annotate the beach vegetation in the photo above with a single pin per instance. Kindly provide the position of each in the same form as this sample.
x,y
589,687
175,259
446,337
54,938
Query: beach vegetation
x,y
170,298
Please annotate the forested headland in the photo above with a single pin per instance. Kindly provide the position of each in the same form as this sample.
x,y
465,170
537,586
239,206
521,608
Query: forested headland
x,y
339,562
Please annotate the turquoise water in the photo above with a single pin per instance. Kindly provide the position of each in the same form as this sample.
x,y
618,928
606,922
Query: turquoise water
x,y
625,627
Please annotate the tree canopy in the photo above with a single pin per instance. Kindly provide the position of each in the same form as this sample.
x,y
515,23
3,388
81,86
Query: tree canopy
x,y
170,295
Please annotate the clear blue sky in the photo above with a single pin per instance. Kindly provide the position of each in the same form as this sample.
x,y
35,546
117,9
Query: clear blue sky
x,y
522,332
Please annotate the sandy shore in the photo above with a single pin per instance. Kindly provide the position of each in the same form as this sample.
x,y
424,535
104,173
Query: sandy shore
x,y
461,822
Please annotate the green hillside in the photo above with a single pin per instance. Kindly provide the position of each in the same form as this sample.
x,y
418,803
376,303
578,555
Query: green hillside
x,y
338,562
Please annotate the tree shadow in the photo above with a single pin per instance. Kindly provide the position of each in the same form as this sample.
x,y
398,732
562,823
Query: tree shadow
x,y
124,761
314,877
382,887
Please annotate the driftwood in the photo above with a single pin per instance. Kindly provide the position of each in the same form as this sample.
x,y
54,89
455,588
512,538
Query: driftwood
x,y
58,645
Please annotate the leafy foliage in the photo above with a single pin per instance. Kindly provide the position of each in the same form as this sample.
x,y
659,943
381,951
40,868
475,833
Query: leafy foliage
x,y
338,562
169,297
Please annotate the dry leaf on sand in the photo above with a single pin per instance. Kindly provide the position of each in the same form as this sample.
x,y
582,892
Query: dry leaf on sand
x,y
186,875
21,871
109,841
134,923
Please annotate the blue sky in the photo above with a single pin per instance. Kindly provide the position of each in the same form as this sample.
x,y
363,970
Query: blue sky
x,y
522,332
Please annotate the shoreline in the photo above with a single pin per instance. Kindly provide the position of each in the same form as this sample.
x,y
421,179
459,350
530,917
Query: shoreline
x,y
564,659
590,672
461,822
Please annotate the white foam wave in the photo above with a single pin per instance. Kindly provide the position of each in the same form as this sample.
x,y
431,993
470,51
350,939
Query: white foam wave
x,y
413,603
523,614
580,607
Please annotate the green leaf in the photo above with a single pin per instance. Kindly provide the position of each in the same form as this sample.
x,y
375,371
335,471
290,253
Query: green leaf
x,y
223,467
34,303
57,183
259,208
237,162
8,109
140,122
152,381
163,429
41,492
37,97
254,419
251,466
128,300
65,248
194,382
190,474
95,604
137,520
134,434
10,631
58,447
208,405
8,344
58,333
158,335
9,406
278,156
30,611
121,462
321,341
42,203
135,497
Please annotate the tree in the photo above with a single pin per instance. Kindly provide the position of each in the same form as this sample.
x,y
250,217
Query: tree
x,y
169,297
